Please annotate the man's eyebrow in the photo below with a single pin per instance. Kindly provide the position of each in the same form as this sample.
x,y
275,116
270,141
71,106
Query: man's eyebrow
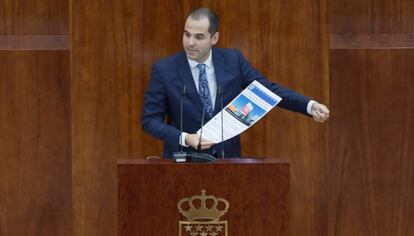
x,y
199,34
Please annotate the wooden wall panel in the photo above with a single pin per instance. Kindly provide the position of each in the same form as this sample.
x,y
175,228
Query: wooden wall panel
x,y
96,136
28,17
371,169
34,42
372,41
140,41
372,16
371,134
35,169
35,144
372,24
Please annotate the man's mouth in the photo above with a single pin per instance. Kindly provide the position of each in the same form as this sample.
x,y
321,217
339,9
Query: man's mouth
x,y
191,50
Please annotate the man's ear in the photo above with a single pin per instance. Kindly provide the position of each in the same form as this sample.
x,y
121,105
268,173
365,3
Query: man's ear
x,y
215,38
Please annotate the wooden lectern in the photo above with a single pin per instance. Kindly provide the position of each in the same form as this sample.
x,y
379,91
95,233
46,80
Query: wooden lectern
x,y
255,189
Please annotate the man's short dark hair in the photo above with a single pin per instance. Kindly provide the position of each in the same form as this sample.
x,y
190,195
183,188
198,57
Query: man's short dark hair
x,y
200,13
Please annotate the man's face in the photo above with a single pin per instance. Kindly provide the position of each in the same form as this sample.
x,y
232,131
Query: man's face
x,y
197,41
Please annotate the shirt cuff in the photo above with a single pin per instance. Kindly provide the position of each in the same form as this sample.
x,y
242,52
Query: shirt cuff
x,y
309,107
182,141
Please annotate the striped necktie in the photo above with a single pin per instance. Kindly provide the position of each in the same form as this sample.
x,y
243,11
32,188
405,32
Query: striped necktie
x,y
203,89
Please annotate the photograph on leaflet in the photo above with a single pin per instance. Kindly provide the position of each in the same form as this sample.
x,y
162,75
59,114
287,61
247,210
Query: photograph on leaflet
x,y
244,110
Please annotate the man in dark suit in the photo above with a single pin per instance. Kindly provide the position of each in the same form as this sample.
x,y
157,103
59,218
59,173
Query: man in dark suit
x,y
199,75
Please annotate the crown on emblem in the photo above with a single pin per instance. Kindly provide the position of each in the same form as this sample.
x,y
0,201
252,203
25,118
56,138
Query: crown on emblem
x,y
202,212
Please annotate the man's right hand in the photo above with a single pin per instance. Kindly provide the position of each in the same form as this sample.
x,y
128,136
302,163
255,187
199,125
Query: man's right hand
x,y
193,139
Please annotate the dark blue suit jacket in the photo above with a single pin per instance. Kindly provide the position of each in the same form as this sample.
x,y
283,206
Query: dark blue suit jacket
x,y
161,112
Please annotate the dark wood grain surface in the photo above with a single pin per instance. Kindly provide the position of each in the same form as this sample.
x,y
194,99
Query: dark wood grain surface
x,y
96,92
148,193
40,17
35,118
371,16
371,133
35,166
372,140
34,42
372,41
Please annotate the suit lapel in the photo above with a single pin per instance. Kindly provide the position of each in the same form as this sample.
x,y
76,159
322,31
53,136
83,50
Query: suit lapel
x,y
184,72
220,75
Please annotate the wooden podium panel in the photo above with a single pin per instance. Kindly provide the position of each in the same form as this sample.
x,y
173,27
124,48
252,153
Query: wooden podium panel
x,y
256,189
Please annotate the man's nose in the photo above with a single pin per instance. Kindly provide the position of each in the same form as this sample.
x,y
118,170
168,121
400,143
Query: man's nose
x,y
191,41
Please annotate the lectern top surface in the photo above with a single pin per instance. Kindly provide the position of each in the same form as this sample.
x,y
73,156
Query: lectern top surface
x,y
219,161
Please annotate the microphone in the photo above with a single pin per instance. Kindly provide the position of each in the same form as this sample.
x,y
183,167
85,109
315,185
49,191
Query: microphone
x,y
201,128
222,131
181,156
195,157
200,157
181,118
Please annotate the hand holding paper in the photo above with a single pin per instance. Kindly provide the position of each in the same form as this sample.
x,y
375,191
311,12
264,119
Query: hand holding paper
x,y
193,141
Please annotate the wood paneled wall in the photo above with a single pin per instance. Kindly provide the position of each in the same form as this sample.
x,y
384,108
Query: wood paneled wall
x,y
371,165
371,16
67,113
35,142
35,165
97,138
40,17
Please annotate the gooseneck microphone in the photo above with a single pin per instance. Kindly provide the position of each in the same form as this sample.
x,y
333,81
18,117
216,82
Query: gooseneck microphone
x,y
197,157
200,157
181,118
222,129
181,156
201,128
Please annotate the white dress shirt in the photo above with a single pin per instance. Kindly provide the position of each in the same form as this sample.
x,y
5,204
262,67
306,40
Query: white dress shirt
x,y
211,76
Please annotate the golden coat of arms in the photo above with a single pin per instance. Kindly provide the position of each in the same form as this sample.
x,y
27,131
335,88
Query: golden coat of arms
x,y
203,214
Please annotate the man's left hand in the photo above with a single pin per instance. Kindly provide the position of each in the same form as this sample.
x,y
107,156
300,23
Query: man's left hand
x,y
320,112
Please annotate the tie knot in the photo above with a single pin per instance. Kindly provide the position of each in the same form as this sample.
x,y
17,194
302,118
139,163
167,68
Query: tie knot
x,y
202,67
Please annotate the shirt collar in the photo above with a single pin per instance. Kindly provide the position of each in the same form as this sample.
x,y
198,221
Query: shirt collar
x,y
208,62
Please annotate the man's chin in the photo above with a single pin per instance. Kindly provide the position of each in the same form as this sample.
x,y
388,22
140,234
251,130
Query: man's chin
x,y
192,56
